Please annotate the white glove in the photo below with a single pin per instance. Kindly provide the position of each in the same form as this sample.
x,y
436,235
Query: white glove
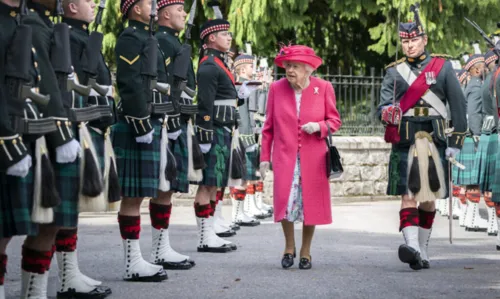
x,y
21,168
245,90
476,138
67,153
148,138
263,168
205,147
311,128
452,152
174,135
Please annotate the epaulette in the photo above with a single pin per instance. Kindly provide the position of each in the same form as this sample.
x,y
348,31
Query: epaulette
x,y
395,63
445,56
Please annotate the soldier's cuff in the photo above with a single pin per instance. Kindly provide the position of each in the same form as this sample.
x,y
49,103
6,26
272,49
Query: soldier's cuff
x,y
204,135
247,140
174,123
12,150
140,125
62,135
456,140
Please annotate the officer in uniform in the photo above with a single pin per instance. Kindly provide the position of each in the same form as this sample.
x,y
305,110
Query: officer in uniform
x,y
216,119
244,207
171,19
474,160
414,95
136,136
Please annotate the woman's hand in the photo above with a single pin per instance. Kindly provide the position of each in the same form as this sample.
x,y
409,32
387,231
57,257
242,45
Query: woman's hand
x,y
263,168
311,128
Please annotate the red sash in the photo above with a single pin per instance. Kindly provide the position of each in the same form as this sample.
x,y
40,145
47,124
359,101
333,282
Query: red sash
x,y
221,64
413,95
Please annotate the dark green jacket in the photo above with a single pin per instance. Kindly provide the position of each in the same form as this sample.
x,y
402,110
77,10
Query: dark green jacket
x,y
474,105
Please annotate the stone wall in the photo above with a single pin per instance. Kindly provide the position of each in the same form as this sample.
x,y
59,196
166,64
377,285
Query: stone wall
x,y
365,160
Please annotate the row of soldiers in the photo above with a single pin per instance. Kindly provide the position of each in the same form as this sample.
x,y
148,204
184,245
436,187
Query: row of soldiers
x,y
480,83
66,147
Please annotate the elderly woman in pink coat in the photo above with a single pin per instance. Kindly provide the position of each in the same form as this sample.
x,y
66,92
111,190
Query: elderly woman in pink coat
x,y
300,110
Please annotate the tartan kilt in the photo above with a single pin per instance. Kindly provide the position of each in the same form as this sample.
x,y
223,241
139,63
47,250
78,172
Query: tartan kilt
x,y
480,161
138,164
467,156
217,159
251,166
179,148
490,162
398,169
16,202
495,183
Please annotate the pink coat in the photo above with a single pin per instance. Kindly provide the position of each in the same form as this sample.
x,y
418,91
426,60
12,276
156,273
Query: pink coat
x,y
282,135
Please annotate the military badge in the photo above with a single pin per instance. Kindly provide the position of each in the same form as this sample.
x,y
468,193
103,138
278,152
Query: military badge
x,y
430,78
206,118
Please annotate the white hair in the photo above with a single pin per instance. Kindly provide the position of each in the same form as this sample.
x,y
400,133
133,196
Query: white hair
x,y
309,68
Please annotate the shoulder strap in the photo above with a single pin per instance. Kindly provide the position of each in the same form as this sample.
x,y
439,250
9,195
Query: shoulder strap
x,y
221,65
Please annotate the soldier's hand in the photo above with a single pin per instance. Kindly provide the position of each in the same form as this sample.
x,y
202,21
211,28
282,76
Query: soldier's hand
x,y
476,139
246,89
21,168
263,168
452,152
205,147
148,138
311,128
67,153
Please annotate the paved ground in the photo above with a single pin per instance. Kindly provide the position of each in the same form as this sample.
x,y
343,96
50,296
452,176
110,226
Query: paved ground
x,y
355,257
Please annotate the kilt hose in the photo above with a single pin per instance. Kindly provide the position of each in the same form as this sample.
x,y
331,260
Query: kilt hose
x,y
138,164
179,149
252,165
466,156
16,202
217,159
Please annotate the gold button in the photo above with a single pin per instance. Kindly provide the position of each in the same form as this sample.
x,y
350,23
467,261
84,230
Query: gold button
x,y
67,123
33,50
13,14
14,141
58,123
84,27
32,10
2,142
47,13
21,138
146,27
39,78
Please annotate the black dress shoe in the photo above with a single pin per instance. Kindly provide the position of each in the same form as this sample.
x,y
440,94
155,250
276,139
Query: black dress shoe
x,y
305,263
426,264
287,260
222,249
498,247
235,227
160,276
98,293
227,234
184,265
410,256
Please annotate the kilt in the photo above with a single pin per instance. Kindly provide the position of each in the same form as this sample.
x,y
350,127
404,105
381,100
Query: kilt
x,y
495,183
138,164
398,169
217,159
479,171
251,166
489,163
68,185
16,203
466,157
179,148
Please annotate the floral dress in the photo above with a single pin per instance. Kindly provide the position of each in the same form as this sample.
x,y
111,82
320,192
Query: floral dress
x,y
295,208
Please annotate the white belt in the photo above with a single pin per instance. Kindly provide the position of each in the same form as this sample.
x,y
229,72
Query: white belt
x,y
420,112
231,103
94,93
184,95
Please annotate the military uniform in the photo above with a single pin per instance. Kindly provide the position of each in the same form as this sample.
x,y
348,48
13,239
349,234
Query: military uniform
x,y
494,89
418,132
139,136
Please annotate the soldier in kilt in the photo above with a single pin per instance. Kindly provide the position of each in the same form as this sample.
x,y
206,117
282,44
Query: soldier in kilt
x,y
489,139
136,137
215,122
424,100
494,88
475,158
171,19
245,211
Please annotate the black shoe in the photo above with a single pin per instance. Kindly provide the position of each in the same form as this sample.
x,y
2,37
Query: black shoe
x,y
160,276
98,293
426,264
235,227
227,234
251,223
222,249
184,265
410,256
287,260
498,247
305,263
492,234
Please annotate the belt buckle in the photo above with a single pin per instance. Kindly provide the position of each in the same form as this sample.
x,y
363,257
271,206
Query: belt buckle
x,y
422,111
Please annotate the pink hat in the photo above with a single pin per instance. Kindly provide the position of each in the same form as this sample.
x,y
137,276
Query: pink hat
x,y
298,53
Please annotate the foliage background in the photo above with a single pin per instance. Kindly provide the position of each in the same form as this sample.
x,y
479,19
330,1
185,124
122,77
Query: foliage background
x,y
346,33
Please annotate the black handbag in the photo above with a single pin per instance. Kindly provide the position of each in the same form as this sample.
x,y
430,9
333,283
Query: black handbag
x,y
334,167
